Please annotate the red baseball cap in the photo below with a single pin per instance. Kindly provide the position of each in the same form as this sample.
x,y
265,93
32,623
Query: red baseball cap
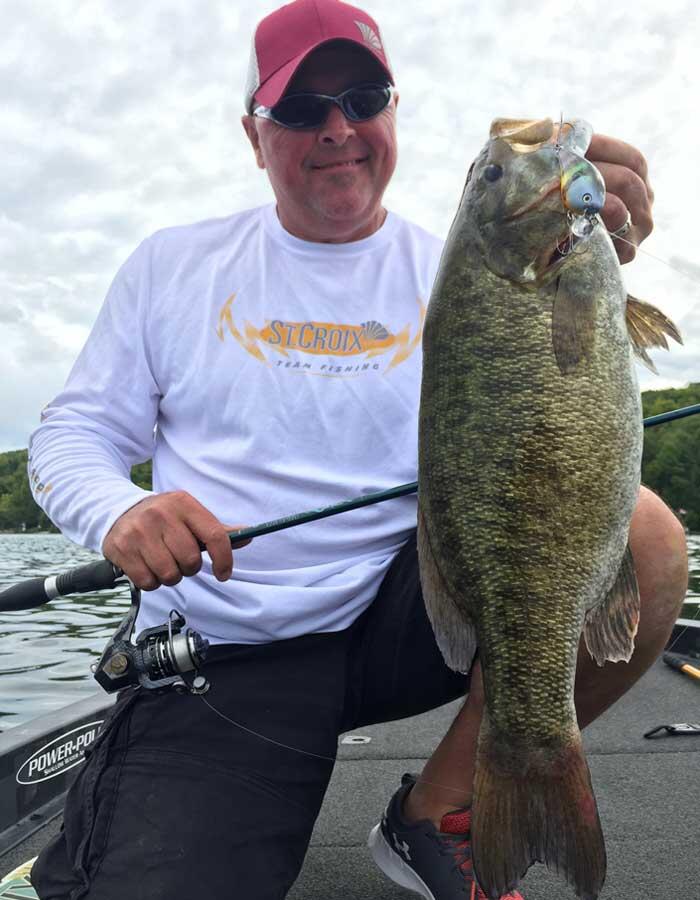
x,y
284,39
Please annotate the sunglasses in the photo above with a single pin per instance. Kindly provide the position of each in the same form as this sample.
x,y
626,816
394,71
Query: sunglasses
x,y
310,110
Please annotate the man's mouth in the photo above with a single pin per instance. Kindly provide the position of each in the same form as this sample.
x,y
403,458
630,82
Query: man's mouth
x,y
339,164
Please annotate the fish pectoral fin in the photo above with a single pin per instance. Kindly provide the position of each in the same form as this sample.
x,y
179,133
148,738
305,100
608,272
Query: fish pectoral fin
x,y
610,627
573,322
647,327
454,632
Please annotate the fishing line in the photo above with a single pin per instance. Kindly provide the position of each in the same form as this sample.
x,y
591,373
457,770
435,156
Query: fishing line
x,y
366,500
657,258
616,237
262,736
694,618
331,759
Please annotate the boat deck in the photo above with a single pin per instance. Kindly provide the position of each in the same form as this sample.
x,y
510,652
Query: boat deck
x,y
648,794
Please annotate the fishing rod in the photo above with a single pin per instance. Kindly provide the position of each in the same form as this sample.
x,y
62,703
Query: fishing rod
x,y
170,655
401,491
103,575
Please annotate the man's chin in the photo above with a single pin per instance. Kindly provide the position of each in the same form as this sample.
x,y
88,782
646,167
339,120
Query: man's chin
x,y
339,219
352,218
347,207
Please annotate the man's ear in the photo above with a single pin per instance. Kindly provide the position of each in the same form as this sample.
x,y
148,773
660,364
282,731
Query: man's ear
x,y
250,127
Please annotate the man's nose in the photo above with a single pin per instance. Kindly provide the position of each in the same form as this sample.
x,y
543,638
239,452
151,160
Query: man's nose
x,y
336,129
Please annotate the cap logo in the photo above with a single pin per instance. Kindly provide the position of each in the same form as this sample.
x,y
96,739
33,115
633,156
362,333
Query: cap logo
x,y
369,36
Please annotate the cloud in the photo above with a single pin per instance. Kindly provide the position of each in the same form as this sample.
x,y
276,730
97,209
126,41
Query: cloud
x,y
686,266
119,119
11,314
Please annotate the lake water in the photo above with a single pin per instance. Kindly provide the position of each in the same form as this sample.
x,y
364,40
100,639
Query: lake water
x,y
45,653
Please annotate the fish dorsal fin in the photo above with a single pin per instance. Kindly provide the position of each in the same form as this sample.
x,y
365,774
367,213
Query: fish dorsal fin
x,y
523,134
647,327
610,627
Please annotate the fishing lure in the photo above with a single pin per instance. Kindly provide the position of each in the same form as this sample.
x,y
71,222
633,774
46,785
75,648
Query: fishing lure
x,y
582,185
583,195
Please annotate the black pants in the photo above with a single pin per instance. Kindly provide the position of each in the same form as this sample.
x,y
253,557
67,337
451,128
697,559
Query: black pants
x,y
175,802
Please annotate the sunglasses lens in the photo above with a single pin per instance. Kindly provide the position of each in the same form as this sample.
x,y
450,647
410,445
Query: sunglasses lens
x,y
310,110
301,111
362,103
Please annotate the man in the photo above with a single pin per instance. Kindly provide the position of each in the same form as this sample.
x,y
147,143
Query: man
x,y
276,351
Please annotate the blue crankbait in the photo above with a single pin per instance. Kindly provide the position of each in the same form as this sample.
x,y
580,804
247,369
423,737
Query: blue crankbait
x,y
582,185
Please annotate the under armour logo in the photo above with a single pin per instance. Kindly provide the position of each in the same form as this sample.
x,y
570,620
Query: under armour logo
x,y
401,846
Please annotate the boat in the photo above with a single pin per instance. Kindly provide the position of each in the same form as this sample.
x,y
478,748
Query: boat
x,y
652,832
39,761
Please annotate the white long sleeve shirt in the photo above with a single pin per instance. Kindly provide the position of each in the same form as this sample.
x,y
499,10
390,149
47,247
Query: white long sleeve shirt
x,y
265,375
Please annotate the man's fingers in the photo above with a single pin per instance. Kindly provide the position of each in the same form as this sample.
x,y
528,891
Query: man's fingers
x,y
138,571
242,543
604,149
235,545
624,170
154,567
158,540
214,535
625,190
184,548
614,215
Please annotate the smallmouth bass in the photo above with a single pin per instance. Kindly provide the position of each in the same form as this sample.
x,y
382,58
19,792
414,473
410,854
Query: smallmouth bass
x,y
530,443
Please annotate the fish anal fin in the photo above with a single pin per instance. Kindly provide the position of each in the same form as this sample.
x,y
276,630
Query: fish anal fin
x,y
610,627
573,323
648,327
454,634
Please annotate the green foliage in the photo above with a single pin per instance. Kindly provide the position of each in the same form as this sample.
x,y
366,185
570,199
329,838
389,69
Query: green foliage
x,y
141,475
671,462
671,466
17,505
18,511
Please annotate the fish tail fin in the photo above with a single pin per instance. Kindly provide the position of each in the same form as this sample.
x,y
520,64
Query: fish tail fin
x,y
535,806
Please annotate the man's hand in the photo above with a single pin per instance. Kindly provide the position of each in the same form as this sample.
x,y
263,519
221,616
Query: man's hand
x,y
155,542
624,171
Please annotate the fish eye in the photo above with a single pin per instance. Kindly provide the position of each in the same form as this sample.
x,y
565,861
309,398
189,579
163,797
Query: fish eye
x,y
493,172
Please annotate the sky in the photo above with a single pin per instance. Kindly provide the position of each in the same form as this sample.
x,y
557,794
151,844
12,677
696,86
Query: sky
x,y
122,118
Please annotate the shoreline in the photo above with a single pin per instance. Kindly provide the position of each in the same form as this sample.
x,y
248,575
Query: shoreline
x,y
27,531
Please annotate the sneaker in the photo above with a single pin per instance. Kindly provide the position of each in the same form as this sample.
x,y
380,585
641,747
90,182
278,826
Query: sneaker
x,y
435,864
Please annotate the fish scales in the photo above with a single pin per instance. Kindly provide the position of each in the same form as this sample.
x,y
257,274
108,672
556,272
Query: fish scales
x,y
530,452
530,440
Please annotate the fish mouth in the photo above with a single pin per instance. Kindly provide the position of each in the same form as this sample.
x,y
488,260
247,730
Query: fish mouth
x,y
552,259
546,191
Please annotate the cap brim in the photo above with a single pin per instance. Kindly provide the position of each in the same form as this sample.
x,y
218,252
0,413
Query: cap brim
x,y
272,91
275,86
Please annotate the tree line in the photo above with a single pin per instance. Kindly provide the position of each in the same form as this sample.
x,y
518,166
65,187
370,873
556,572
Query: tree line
x,y
670,466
